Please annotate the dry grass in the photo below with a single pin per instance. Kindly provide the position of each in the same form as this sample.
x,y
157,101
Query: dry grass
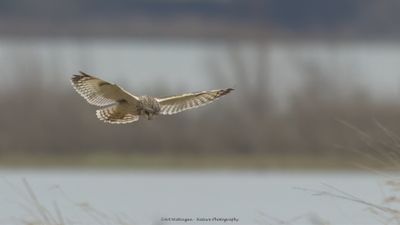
x,y
39,214
382,150
387,211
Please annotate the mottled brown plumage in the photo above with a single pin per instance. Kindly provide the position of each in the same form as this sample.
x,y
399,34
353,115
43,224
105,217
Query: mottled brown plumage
x,y
123,107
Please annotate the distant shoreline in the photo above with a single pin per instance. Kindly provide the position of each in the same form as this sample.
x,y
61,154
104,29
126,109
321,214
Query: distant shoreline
x,y
196,162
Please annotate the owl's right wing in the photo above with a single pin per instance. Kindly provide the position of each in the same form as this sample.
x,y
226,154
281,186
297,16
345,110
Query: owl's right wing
x,y
179,103
99,92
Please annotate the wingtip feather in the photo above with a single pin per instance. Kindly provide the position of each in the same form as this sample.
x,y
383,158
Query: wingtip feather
x,y
225,91
77,77
83,73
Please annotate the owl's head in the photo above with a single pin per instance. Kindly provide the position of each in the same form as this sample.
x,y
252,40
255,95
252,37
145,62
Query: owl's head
x,y
149,106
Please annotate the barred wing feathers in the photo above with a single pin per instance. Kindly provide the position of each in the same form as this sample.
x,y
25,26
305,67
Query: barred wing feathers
x,y
175,104
99,92
116,114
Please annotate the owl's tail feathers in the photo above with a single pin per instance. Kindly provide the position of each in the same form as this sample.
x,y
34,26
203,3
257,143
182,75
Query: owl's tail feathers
x,y
116,115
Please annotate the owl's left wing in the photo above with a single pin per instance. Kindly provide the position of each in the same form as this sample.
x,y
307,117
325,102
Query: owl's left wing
x,y
179,103
100,92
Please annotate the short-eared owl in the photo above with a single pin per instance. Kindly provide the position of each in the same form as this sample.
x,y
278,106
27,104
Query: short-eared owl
x,y
123,107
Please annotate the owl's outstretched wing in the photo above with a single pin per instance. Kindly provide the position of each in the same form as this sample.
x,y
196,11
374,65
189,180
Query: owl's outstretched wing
x,y
179,103
99,92
117,114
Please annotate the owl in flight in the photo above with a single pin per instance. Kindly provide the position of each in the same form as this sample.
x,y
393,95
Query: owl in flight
x,y
124,107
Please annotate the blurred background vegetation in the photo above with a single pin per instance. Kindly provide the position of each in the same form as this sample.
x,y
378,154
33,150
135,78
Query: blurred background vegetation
x,y
326,114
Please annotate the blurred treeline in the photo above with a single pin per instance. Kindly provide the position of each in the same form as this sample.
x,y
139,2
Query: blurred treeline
x,y
200,18
323,116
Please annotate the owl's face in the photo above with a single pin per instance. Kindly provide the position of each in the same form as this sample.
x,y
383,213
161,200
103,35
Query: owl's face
x,y
148,106
150,112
